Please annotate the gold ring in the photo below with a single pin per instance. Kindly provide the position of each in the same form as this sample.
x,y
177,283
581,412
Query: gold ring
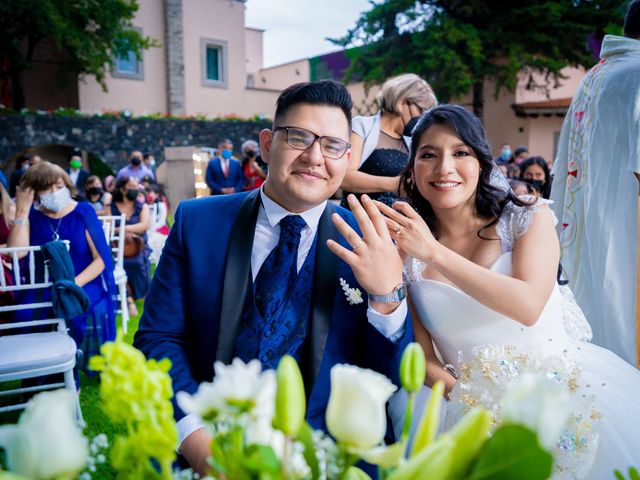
x,y
397,229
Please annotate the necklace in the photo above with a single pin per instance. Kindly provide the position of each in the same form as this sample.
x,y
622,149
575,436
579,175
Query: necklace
x,y
55,237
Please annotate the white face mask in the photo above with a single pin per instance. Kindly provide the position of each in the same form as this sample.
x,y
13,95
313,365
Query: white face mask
x,y
56,201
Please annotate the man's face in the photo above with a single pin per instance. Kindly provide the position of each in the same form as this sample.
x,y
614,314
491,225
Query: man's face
x,y
34,160
135,159
301,179
149,160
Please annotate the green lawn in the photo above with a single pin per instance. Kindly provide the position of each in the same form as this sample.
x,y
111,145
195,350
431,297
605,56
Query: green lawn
x,y
96,421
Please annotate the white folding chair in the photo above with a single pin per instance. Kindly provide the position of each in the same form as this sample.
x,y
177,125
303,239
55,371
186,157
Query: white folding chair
x,y
153,217
29,355
114,226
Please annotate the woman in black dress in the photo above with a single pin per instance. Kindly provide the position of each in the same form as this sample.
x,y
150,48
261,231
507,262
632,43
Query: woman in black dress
x,y
379,152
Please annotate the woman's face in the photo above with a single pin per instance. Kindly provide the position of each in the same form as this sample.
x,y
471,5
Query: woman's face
x,y
534,172
446,169
95,183
53,188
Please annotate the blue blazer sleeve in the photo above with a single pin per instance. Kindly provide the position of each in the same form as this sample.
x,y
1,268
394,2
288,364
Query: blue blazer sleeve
x,y
210,176
163,327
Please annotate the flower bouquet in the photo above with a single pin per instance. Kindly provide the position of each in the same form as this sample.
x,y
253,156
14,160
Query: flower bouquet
x,y
257,422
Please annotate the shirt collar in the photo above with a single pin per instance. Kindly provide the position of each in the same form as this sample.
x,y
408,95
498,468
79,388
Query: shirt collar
x,y
275,212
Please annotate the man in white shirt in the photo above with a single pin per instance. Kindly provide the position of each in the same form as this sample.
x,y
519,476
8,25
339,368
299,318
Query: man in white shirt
x,y
595,192
250,275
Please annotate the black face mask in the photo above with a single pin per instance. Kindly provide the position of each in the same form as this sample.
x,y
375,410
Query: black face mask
x,y
251,153
131,194
408,128
537,184
135,161
94,191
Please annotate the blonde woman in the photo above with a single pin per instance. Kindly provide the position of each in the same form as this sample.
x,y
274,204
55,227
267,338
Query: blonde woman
x,y
379,149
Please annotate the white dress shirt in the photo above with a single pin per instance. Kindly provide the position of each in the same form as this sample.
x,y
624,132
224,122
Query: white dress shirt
x,y
265,239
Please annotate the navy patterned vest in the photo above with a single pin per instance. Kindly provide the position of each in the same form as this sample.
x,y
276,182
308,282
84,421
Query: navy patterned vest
x,y
286,332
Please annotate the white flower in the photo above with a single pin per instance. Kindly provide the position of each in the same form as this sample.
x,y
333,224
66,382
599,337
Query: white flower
x,y
47,442
354,295
260,432
236,389
539,403
356,413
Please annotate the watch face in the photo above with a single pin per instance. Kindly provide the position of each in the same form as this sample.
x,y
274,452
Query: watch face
x,y
402,293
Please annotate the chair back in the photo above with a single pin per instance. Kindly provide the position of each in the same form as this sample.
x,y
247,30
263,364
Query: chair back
x,y
24,274
114,231
153,217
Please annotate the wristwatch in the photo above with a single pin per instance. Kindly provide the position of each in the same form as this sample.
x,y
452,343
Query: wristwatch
x,y
397,295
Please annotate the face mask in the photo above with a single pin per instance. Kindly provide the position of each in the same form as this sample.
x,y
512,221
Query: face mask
x,y
135,161
226,154
408,128
131,194
537,184
251,153
150,199
506,153
56,201
152,162
520,160
25,167
94,191
75,164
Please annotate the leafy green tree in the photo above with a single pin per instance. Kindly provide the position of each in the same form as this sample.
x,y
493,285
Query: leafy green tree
x,y
85,33
457,44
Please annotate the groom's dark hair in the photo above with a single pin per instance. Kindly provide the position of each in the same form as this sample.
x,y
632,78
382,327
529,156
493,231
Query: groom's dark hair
x,y
632,20
321,92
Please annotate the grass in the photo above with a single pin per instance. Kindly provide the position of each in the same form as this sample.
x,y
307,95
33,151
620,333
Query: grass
x,y
96,421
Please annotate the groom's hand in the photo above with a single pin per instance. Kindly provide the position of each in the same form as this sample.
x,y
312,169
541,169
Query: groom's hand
x,y
374,258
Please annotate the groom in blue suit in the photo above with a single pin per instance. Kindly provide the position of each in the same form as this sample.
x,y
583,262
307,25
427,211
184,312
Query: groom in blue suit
x,y
254,275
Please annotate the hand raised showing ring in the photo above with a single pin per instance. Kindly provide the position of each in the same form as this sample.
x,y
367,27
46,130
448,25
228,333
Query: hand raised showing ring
x,y
409,230
373,257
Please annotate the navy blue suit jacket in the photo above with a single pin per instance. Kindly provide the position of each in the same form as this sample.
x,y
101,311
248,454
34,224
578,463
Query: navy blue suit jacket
x,y
216,180
193,310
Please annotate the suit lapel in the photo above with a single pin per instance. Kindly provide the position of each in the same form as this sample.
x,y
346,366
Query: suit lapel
x,y
324,279
236,276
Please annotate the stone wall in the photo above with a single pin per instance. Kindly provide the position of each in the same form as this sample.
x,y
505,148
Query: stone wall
x,y
111,139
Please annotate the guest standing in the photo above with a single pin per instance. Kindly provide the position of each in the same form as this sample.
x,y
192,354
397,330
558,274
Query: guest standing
x,y
224,173
379,149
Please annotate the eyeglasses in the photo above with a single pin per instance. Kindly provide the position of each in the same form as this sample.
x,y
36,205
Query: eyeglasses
x,y
302,139
420,108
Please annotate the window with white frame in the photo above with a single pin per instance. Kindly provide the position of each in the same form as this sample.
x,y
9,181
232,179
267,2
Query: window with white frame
x,y
127,65
214,62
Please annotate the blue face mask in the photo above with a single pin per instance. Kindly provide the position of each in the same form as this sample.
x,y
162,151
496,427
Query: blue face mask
x,y
506,153
226,154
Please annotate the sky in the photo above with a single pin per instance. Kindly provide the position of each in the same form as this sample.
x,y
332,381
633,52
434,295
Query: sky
x,y
296,29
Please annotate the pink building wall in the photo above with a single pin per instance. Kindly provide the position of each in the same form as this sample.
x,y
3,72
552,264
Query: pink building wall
x,y
139,96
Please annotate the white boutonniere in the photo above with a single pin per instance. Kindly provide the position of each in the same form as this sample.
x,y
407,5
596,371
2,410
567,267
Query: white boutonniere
x,y
354,295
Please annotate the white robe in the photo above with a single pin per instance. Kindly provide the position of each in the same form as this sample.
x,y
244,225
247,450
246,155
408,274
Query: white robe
x,y
596,194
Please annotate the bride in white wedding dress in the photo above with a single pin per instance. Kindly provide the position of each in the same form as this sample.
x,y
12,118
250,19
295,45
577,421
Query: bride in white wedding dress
x,y
481,268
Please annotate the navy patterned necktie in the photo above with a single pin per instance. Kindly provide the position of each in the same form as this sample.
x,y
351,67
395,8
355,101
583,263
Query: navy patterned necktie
x,y
279,271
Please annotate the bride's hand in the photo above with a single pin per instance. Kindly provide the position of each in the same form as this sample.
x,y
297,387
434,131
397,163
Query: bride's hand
x,y
409,230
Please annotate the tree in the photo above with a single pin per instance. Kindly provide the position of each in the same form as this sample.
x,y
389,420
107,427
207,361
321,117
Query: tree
x,y
457,44
87,33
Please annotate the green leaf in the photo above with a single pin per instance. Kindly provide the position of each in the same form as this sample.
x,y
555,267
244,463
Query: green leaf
x,y
260,458
428,426
354,473
306,439
512,452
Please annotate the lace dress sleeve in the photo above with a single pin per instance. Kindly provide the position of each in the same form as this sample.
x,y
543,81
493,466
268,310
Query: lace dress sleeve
x,y
516,220
412,270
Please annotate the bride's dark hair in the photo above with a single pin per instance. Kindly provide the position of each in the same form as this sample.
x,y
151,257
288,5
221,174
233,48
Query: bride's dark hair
x,y
490,199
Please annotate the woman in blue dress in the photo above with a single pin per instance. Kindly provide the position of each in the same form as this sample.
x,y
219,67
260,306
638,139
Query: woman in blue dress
x,y
46,211
128,199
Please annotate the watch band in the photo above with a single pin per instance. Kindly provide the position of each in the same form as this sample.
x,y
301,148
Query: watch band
x,y
397,295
